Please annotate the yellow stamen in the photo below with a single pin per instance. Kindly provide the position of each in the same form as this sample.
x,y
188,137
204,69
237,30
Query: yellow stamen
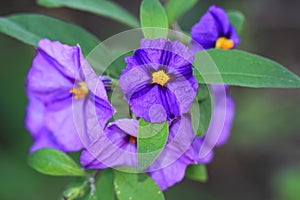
x,y
160,77
132,139
80,91
224,43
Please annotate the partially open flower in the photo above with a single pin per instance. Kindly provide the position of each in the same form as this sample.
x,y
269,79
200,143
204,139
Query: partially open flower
x,y
214,31
59,79
117,146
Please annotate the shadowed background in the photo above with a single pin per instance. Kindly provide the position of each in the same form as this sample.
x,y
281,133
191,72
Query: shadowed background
x,y
261,159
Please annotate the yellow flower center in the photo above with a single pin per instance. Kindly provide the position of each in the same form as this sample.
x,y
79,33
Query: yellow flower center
x,y
224,43
160,77
132,139
81,91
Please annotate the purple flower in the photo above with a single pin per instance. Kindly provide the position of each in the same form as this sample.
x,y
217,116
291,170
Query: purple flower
x,y
214,31
197,146
107,83
117,146
158,81
35,124
223,113
220,125
59,81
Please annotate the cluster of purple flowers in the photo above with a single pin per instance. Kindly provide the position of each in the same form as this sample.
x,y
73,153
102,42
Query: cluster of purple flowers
x,y
159,86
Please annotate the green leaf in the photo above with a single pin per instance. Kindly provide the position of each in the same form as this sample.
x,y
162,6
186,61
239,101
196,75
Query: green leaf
x,y
136,186
30,28
197,173
286,184
240,68
105,185
175,8
154,20
150,141
54,162
92,197
201,110
205,108
118,65
99,7
237,19
119,103
203,92
75,191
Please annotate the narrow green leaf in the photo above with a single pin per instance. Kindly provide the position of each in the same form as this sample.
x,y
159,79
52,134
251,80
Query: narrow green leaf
x,y
197,173
203,92
240,68
175,8
105,185
150,141
99,7
30,28
136,186
54,162
201,110
237,19
205,107
154,20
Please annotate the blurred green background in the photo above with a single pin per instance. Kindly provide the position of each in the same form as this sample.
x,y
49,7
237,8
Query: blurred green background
x,y
262,158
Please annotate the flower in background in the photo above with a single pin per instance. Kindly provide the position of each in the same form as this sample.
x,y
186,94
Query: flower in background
x,y
59,79
214,31
117,146
223,108
158,81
